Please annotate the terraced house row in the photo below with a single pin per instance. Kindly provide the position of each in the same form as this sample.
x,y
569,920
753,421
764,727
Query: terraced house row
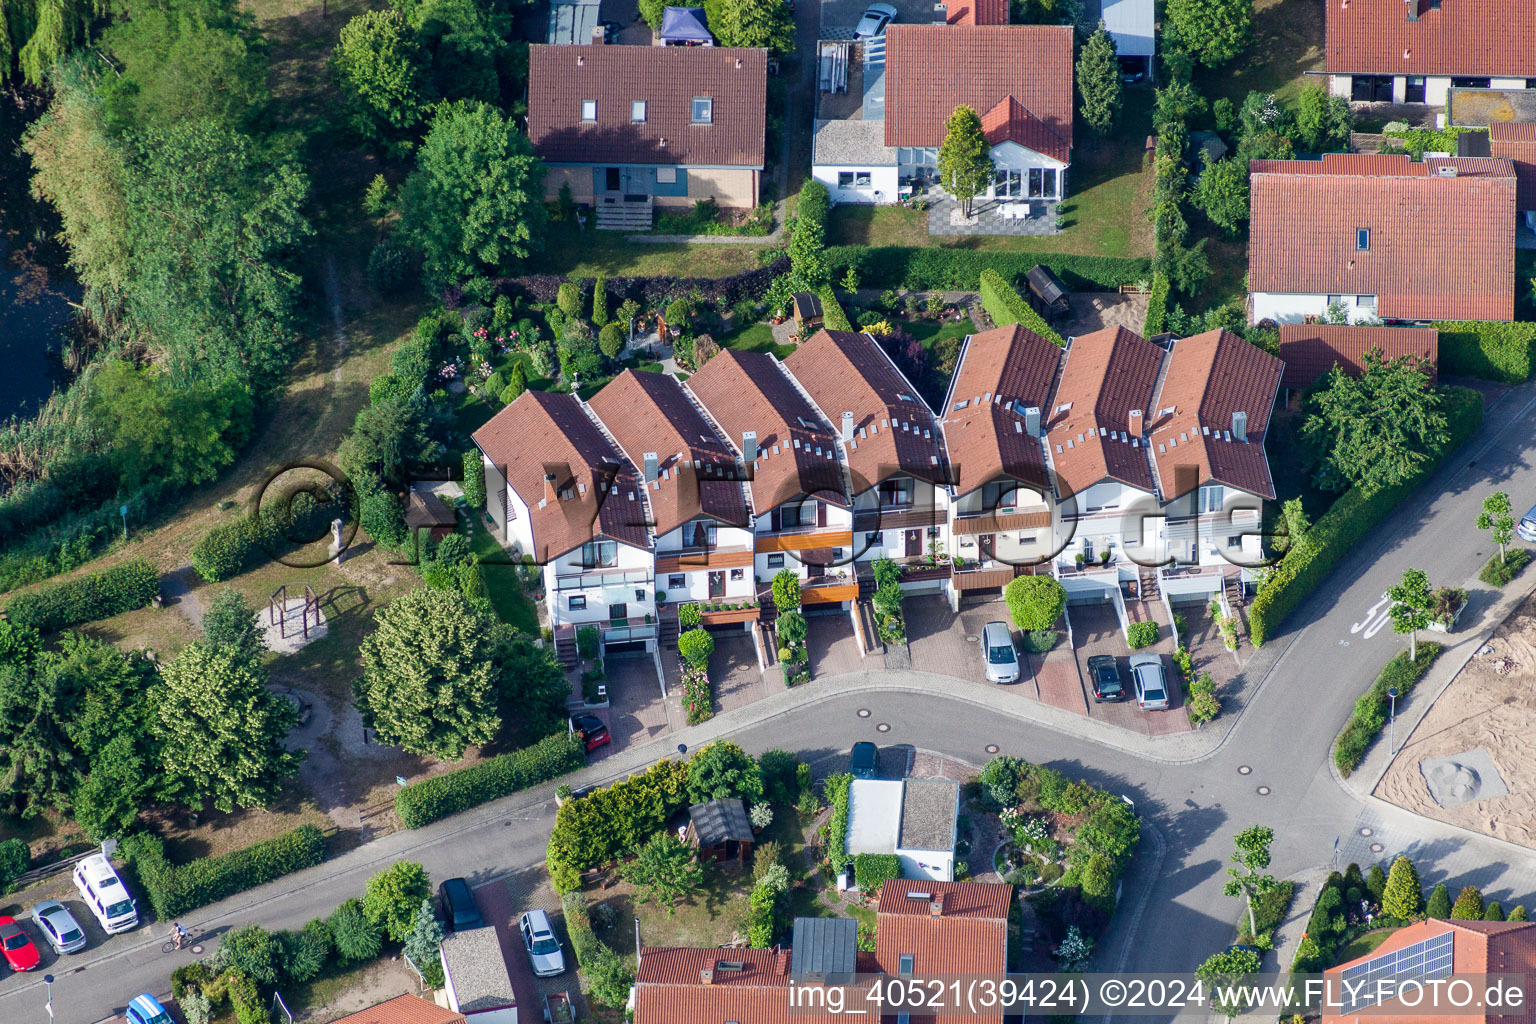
x,y
1093,462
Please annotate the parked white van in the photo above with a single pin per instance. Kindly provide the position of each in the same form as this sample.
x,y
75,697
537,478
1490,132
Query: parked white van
x,y
105,894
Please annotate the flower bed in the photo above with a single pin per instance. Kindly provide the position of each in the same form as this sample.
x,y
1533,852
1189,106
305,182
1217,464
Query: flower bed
x,y
698,699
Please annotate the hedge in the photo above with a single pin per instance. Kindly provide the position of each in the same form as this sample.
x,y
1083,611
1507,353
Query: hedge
x,y
1157,307
872,870
424,802
1346,524
608,974
1371,710
936,269
1488,349
837,828
606,824
96,595
832,316
175,889
1006,306
229,550
654,292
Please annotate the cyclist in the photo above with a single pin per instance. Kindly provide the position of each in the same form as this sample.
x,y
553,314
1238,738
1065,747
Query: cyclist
x,y
181,935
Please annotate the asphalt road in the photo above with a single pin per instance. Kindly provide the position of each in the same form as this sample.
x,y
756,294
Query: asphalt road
x,y
1174,912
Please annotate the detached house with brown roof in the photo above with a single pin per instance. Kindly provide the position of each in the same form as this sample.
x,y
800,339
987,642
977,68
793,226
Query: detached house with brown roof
x,y
1391,51
1018,78
1382,238
629,128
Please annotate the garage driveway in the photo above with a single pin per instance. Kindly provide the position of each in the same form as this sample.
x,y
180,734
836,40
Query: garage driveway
x,y
937,638
1096,630
636,712
833,648
500,903
733,672
845,14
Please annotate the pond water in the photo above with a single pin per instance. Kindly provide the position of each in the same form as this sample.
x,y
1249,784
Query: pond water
x,y
33,312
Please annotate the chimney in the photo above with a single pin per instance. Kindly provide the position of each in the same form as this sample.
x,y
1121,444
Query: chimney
x,y
941,14
550,495
650,467
749,446
580,60
706,977
738,63
1446,170
847,426
1136,418
1032,420
599,37
1240,426
936,906
1413,10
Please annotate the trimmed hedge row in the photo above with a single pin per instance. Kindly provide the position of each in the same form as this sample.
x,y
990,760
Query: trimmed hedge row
x,y
1487,349
930,269
1157,307
833,318
653,292
1370,714
609,975
1344,525
836,789
96,595
228,550
1006,306
175,889
424,802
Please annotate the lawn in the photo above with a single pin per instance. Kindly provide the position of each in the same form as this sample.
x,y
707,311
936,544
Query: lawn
x,y
572,252
1287,43
930,332
501,581
1363,944
754,338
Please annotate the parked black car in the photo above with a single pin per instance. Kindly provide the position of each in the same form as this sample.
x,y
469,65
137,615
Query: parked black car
x,y
1104,676
457,905
864,762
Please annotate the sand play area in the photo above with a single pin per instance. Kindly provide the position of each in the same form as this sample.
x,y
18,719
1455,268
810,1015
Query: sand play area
x,y
1478,739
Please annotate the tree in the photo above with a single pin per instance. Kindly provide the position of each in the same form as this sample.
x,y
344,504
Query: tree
x,y
1404,895
356,937
665,871
430,679
221,730
1222,192
39,767
696,646
1075,949
1034,602
1098,82
254,951
393,896
1247,878
230,623
1493,911
786,591
425,940
163,430
1499,518
531,685
1374,430
1412,601
1518,914
1376,883
34,34
723,770
965,162
391,439
766,24
1176,105
475,203
1439,905
305,951
466,42
653,11
1468,905
610,340
379,68
1222,969
109,800
1323,122
1294,525
1212,31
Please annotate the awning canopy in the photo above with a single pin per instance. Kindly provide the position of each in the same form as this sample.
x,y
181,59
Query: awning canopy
x,y
685,25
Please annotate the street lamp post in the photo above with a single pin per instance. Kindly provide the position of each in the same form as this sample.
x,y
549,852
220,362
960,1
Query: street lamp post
x,y
682,750
48,981
1392,723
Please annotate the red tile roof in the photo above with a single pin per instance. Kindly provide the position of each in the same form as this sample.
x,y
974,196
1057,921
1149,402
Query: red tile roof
x,y
407,1009
1208,378
1107,374
970,936
1463,37
1011,121
667,78
978,12
1517,142
696,470
1311,350
1002,372
894,430
669,988
1441,248
932,69
597,490
745,391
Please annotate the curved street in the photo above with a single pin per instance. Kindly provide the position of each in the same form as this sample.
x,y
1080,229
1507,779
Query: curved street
x,y
1189,789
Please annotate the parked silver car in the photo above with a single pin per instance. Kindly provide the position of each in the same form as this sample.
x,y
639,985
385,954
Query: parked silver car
x,y
541,943
1525,529
1151,681
59,927
875,19
997,652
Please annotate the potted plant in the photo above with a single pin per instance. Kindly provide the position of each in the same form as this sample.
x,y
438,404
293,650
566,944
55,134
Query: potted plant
x,y
1449,602
1104,558
1080,559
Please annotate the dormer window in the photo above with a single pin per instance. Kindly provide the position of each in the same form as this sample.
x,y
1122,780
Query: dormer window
x,y
703,110
637,111
589,110
1363,239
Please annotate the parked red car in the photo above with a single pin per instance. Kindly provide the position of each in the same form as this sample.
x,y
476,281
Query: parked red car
x,y
18,948
591,729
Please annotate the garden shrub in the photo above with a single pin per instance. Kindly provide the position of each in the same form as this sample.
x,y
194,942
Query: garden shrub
x,y
1034,602
832,316
1157,307
1142,634
1340,530
424,802
696,646
618,819
1372,708
474,480
356,938
587,641
1499,571
872,870
175,889
836,789
1487,349
1006,306
786,591
15,856
245,999
86,598
689,616
608,974
945,269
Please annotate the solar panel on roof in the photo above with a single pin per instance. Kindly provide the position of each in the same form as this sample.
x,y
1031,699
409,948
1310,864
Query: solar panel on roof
x,y
1428,959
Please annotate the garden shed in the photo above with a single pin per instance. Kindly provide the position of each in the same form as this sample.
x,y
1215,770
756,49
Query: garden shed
x,y
721,829
808,314
426,511
1047,294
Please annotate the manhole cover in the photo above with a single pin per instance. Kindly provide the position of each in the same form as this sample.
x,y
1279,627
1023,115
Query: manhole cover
x,y
1244,769
972,638
1263,791
883,727
1377,847
992,748
198,950
1367,831
864,712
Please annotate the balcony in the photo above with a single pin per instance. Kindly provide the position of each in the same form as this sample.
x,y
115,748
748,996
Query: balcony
x,y
987,576
698,559
913,570
603,578
803,539
899,517
819,590
1001,520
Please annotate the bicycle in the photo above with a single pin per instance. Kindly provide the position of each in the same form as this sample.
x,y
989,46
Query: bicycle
x,y
171,946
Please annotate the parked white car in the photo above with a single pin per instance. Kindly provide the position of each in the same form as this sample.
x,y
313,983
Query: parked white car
x,y
997,651
105,894
540,942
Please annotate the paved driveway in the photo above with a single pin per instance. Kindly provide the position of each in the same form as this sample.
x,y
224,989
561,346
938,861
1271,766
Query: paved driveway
x,y
734,673
845,14
937,637
833,648
1096,630
501,902
637,713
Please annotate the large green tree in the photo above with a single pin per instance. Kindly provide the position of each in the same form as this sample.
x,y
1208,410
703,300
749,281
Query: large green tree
x,y
1211,31
229,622
379,67
393,896
1098,82
39,767
431,681
721,771
221,730
665,870
1222,192
34,34
766,24
532,687
164,431
465,41
965,162
1323,122
1375,429
1403,896
475,203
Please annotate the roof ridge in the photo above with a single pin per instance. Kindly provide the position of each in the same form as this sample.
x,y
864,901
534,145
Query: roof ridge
x,y
719,431
640,482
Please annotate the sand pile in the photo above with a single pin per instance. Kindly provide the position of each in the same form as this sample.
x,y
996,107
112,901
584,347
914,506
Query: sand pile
x,y
1491,704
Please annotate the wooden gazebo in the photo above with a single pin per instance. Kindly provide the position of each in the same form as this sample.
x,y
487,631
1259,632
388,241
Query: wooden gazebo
x,y
808,314
721,829
426,511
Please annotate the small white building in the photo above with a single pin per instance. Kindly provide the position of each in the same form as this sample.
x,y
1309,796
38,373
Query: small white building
x,y
1132,24
475,977
915,819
